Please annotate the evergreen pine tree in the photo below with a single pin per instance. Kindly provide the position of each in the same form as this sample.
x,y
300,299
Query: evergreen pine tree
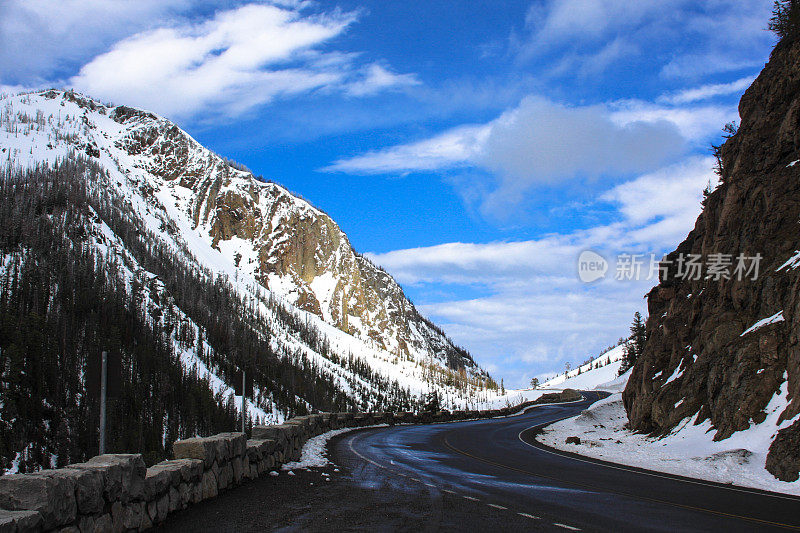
x,y
636,343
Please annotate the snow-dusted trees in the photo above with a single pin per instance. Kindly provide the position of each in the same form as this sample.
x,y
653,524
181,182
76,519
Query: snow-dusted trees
x,y
62,300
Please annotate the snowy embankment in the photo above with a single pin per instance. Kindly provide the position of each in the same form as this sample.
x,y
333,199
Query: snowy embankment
x,y
601,370
689,450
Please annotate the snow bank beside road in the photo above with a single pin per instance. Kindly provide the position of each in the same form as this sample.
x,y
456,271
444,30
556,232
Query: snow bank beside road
x,y
315,453
687,451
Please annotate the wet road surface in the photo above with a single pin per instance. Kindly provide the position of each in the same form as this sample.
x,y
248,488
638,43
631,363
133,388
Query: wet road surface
x,y
485,475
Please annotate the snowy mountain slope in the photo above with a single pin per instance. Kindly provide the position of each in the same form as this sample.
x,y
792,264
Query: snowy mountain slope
x,y
287,245
276,251
591,375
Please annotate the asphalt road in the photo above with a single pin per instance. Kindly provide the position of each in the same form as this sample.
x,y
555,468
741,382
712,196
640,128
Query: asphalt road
x,y
481,476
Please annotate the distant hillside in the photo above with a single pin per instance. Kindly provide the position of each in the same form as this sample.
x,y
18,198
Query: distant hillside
x,y
588,376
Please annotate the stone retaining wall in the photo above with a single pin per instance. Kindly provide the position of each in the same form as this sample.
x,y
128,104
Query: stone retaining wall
x,y
116,492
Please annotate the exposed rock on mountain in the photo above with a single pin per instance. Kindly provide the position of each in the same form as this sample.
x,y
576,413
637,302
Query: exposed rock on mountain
x,y
720,349
293,249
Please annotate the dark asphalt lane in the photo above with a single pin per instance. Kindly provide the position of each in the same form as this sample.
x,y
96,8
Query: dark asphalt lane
x,y
480,476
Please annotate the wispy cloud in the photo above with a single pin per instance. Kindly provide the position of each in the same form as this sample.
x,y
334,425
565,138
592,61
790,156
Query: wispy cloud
x,y
181,59
239,59
43,39
705,92
459,146
377,78
706,37
697,124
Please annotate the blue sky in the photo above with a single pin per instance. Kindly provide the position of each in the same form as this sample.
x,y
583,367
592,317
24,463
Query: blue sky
x,y
471,148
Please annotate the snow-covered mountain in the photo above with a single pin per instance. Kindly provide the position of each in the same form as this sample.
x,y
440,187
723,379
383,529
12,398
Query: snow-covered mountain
x,y
288,261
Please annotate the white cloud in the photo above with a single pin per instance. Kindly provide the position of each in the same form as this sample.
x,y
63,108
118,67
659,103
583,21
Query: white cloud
x,y
377,78
704,37
539,141
537,309
723,37
459,146
697,124
708,91
542,142
240,58
659,207
567,21
173,57
670,194
43,37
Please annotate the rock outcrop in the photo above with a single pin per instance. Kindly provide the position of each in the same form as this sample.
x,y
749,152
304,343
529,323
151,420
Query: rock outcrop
x,y
293,249
722,349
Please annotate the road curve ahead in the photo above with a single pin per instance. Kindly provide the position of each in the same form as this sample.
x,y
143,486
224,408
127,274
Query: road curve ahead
x,y
509,482
484,475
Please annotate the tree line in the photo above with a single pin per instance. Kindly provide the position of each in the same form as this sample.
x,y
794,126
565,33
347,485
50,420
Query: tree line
x,y
62,300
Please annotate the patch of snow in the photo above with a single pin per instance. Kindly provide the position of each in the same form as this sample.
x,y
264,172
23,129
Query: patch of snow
x,y
617,384
777,317
792,263
512,398
586,377
675,375
314,452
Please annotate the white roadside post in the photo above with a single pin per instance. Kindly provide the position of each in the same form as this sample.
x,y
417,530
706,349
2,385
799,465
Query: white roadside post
x,y
103,382
244,397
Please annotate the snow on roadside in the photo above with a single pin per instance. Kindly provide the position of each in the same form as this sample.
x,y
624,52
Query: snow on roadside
x,y
617,384
314,452
688,451
511,398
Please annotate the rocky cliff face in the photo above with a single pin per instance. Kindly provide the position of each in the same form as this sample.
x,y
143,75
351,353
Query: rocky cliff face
x,y
721,350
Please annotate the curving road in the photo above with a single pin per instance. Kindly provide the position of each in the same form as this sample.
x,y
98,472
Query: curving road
x,y
486,475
